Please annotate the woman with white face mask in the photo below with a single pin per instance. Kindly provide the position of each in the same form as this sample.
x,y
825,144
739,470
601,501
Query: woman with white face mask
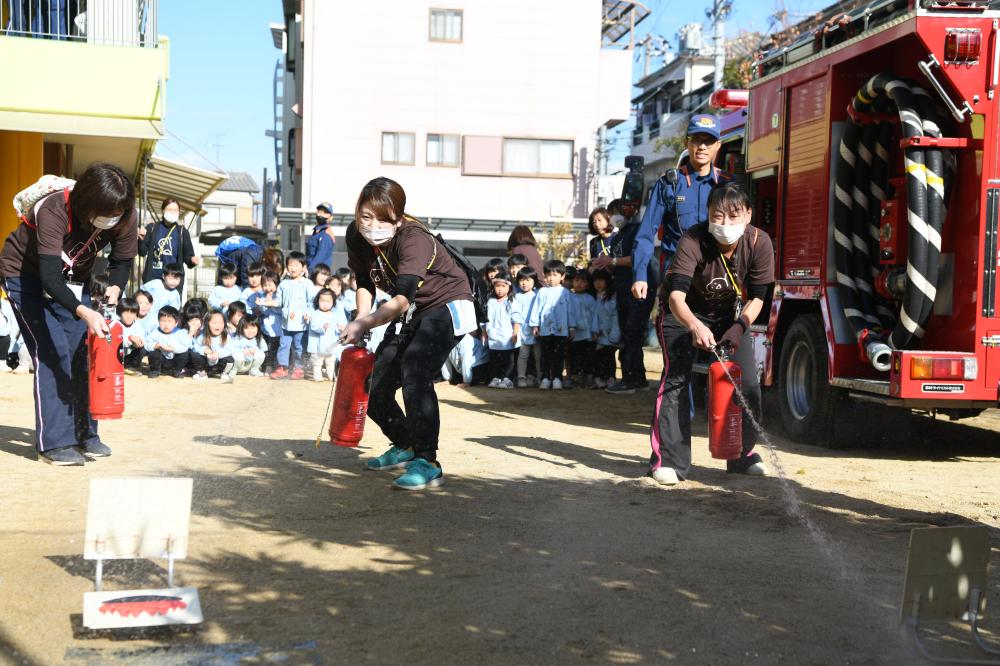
x,y
429,311
46,265
165,242
714,289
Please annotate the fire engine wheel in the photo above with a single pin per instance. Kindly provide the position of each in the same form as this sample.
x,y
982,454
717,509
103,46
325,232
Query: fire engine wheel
x,y
805,397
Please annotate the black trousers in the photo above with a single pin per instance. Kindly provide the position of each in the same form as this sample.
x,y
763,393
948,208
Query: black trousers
x,y
271,357
133,360
670,436
410,360
581,357
199,363
502,363
633,319
604,363
4,346
553,355
160,363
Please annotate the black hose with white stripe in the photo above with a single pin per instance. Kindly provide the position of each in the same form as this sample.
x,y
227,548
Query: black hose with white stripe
x,y
861,185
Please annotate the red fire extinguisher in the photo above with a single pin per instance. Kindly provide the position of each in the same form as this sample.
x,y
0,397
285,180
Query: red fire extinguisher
x,y
107,372
725,417
350,400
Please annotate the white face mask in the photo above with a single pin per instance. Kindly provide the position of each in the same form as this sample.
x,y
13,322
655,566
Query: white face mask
x,y
171,217
726,234
105,223
617,220
377,236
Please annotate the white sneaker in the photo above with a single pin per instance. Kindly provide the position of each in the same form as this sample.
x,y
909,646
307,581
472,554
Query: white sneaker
x,y
200,375
522,382
756,469
256,373
557,385
545,384
506,383
665,476
494,383
226,378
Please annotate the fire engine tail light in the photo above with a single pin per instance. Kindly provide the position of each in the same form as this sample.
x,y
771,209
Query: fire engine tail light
x,y
936,367
962,45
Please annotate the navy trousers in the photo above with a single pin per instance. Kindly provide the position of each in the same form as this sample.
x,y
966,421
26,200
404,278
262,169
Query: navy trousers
x,y
57,342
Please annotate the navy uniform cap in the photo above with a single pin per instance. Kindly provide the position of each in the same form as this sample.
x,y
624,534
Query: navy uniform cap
x,y
704,123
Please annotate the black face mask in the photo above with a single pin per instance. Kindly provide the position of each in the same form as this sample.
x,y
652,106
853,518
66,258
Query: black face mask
x,y
322,220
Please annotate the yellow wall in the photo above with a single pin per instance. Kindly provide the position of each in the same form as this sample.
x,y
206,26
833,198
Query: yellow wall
x,y
83,79
21,158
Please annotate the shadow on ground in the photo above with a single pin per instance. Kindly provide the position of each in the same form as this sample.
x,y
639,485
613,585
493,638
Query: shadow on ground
x,y
541,570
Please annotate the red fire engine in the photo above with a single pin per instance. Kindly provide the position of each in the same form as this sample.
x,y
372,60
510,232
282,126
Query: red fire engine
x,y
872,150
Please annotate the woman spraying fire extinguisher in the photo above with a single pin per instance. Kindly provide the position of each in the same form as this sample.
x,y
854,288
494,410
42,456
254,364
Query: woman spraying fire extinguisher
x,y
430,309
46,265
702,307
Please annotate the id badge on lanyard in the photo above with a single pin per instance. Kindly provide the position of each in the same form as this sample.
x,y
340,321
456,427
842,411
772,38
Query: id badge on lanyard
x,y
70,261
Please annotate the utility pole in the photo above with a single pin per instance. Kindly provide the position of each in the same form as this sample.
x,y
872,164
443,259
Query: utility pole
x,y
718,14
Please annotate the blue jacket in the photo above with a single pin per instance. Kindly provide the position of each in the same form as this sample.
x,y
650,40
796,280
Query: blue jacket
x,y
324,341
178,339
270,316
293,295
238,345
463,357
247,293
320,247
221,294
551,311
678,206
605,323
203,345
581,316
501,317
525,303
161,297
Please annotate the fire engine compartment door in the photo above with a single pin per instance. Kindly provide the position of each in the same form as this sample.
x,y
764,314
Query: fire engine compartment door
x,y
993,364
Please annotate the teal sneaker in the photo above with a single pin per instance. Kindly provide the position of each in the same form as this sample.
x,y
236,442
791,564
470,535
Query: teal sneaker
x,y
420,474
391,459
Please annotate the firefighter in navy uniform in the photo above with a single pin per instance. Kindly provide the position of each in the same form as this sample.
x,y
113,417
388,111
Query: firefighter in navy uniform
x,y
679,200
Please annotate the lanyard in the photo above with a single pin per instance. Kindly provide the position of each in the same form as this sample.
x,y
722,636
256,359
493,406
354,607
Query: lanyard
x,y
605,250
725,265
382,258
161,244
69,260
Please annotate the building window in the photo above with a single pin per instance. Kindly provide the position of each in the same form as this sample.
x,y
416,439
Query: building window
x,y
442,150
537,157
397,147
219,215
446,25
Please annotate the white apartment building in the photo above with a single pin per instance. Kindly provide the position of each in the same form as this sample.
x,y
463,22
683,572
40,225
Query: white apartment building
x,y
669,97
487,113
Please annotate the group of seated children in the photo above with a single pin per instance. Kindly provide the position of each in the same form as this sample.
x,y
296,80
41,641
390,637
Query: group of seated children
x,y
274,326
534,330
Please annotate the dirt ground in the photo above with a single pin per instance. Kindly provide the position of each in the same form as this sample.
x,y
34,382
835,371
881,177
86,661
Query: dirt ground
x,y
545,545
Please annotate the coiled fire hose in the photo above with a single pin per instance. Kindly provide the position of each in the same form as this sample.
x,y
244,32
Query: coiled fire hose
x,y
860,186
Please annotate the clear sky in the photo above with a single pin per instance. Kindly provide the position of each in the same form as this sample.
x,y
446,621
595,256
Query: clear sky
x,y
219,97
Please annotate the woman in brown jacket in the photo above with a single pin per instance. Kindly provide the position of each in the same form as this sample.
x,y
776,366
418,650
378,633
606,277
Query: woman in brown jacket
x,y
522,241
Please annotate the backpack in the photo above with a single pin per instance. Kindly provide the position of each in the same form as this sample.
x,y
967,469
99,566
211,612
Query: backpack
x,y
28,198
480,292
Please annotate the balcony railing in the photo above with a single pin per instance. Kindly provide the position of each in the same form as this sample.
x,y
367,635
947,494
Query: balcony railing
x,y
104,22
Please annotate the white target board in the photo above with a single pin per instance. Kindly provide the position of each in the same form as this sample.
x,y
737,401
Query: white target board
x,y
138,517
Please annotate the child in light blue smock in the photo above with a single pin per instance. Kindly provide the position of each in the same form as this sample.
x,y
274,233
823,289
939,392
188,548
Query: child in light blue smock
x,y
605,330
167,346
468,362
255,279
527,282
213,350
268,310
581,346
248,346
325,324
164,292
550,324
502,329
226,291
293,297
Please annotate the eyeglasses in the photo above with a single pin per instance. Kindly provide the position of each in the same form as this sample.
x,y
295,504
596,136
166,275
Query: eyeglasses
x,y
703,140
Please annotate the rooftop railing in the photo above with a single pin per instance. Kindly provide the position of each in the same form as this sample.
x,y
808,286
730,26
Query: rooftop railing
x,y
103,22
